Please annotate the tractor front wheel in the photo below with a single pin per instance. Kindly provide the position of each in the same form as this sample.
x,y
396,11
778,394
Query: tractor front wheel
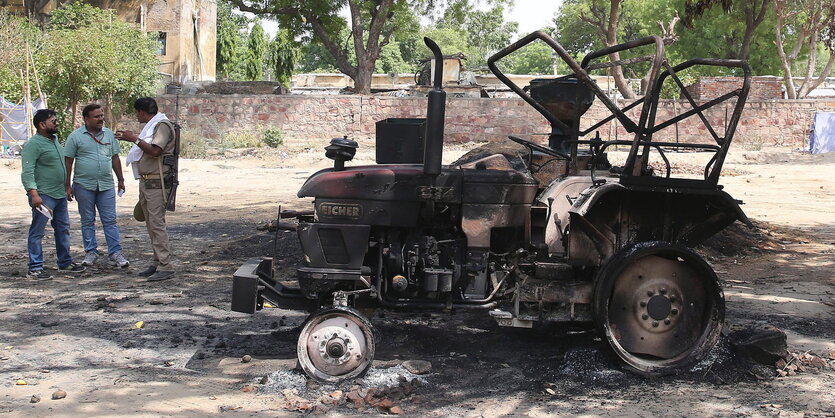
x,y
335,345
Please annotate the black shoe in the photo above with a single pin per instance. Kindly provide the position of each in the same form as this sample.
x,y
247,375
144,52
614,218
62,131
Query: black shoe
x,y
160,276
73,268
39,275
148,271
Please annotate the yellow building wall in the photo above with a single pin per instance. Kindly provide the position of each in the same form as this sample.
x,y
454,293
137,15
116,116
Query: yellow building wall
x,y
190,27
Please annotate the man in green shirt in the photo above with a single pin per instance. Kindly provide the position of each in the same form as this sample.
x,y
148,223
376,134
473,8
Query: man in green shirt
x,y
94,151
43,177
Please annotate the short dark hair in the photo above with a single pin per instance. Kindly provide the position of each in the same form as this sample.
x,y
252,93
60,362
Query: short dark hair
x,y
41,116
147,105
89,108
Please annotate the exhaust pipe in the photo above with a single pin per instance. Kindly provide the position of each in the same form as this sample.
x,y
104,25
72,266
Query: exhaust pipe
x,y
436,104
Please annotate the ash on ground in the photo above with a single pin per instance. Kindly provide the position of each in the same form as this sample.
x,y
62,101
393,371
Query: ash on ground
x,y
278,381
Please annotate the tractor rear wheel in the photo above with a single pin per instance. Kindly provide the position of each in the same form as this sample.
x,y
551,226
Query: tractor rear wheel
x,y
660,307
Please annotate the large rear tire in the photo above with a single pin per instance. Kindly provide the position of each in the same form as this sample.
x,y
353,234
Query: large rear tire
x,y
659,306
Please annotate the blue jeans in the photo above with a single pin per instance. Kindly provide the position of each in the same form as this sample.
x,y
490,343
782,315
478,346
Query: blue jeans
x,y
61,226
105,202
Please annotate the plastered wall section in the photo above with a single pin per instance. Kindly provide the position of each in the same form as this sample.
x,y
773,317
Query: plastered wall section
x,y
184,58
311,119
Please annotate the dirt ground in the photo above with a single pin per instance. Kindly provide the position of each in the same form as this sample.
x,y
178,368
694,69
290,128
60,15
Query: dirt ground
x,y
77,334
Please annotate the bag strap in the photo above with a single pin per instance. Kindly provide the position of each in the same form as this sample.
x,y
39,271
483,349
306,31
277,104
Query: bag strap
x,y
159,161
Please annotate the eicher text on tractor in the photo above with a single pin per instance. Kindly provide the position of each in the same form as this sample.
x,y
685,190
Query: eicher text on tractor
x,y
554,233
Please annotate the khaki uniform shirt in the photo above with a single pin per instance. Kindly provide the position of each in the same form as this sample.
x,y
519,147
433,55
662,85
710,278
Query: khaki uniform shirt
x,y
163,138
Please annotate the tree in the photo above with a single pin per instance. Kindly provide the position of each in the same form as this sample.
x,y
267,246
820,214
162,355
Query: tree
x,y
230,40
534,58
15,33
753,11
812,22
315,58
486,31
372,25
451,40
717,35
256,48
90,54
281,57
604,15
391,60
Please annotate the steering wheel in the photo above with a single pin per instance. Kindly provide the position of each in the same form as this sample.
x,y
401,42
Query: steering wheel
x,y
533,146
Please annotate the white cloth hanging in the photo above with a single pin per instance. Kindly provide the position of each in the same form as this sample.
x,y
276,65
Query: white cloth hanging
x,y
146,134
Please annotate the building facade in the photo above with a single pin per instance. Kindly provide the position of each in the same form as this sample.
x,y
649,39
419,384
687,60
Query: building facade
x,y
187,30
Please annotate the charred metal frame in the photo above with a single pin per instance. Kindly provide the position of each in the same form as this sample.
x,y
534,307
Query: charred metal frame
x,y
646,126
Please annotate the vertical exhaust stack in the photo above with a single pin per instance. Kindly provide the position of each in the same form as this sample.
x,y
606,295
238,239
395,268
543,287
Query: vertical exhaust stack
x,y
436,106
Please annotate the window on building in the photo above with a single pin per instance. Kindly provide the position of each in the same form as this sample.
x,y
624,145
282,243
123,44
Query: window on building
x,y
161,41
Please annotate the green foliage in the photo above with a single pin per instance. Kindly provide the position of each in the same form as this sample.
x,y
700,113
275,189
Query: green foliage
x,y
671,90
273,137
534,58
391,60
715,34
90,54
15,33
256,51
281,57
231,41
322,20
315,58
243,138
80,15
451,41
227,48
486,31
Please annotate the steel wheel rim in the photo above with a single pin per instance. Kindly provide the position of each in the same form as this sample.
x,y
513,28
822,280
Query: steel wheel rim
x,y
666,320
336,345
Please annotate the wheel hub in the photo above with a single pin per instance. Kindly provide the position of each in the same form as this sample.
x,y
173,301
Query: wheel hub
x,y
658,303
335,346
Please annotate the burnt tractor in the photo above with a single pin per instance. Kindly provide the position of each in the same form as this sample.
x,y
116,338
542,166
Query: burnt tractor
x,y
563,236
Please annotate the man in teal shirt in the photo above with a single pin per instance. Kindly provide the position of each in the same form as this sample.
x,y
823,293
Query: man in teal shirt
x,y
43,177
94,151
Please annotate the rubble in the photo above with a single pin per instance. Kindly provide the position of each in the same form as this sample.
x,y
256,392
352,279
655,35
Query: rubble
x,y
764,344
382,389
806,362
418,367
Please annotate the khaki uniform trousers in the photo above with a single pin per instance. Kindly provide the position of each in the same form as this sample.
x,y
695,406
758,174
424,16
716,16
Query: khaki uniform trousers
x,y
153,206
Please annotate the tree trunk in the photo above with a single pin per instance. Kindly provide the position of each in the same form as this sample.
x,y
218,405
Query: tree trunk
x,y
362,80
810,65
108,113
825,73
753,18
611,40
72,109
791,93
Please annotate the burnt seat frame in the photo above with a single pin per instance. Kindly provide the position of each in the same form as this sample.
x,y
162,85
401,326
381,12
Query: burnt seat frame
x,y
635,171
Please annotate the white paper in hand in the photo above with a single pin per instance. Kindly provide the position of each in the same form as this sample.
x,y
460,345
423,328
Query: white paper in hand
x,y
46,211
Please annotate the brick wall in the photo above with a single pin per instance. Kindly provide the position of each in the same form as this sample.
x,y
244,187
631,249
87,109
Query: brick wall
x,y
762,88
306,119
